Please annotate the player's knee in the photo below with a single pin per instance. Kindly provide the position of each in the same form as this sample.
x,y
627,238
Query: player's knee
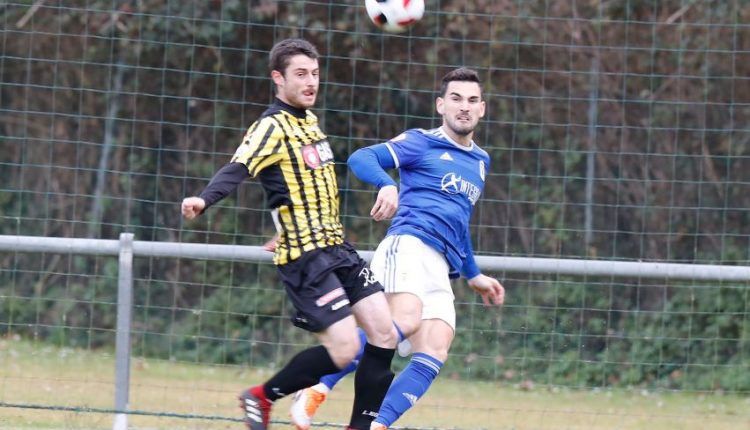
x,y
440,353
383,335
434,349
344,350
434,338
408,324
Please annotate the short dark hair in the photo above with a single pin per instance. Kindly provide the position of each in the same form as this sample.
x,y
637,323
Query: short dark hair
x,y
283,51
462,74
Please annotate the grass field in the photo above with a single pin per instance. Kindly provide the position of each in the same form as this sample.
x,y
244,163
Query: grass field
x,y
45,376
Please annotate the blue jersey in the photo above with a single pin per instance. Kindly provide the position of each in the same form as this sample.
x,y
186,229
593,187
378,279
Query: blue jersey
x,y
441,182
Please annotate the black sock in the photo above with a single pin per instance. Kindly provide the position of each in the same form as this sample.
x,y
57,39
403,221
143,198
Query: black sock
x,y
371,382
303,370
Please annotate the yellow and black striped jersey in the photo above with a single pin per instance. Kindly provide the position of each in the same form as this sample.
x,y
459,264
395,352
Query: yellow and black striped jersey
x,y
291,156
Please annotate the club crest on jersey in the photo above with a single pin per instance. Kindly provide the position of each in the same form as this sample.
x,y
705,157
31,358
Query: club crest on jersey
x,y
317,154
455,184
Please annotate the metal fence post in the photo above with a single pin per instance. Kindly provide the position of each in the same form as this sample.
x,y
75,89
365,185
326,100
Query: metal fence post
x,y
122,339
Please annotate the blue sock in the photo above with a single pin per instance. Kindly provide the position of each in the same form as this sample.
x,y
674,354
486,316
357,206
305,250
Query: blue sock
x,y
408,387
332,379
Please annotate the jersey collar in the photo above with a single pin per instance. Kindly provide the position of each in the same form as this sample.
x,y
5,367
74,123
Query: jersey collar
x,y
297,112
445,136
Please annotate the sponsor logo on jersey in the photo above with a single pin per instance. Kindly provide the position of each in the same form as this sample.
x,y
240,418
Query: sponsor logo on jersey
x,y
454,184
317,154
481,169
450,182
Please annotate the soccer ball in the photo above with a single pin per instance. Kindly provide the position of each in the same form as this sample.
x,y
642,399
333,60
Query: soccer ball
x,y
394,15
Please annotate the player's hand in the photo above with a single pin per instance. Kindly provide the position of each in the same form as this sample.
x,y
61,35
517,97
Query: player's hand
x,y
386,204
490,289
192,207
270,246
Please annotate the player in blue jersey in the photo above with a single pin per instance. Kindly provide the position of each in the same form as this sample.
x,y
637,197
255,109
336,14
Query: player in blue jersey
x,y
442,174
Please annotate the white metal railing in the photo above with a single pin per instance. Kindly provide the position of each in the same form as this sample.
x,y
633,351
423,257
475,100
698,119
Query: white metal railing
x,y
126,249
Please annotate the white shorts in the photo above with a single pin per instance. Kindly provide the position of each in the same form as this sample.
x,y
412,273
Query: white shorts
x,y
405,264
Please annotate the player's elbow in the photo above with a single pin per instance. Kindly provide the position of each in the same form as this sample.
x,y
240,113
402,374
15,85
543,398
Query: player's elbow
x,y
358,163
356,159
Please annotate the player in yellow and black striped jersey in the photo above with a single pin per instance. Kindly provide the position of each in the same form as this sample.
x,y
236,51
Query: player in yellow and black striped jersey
x,y
287,150
330,286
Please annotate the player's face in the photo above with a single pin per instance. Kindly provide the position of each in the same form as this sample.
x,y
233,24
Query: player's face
x,y
461,107
298,85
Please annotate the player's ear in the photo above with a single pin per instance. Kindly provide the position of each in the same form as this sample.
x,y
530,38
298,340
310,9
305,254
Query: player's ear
x,y
277,77
482,109
439,105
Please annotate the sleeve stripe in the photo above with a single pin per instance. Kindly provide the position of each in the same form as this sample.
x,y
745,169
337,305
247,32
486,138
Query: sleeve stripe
x,y
393,154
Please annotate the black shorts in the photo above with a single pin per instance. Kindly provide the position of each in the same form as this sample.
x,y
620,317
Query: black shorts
x,y
324,283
